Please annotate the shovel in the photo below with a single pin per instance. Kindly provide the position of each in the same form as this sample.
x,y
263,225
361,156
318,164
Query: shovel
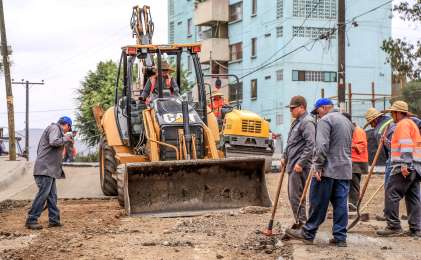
x,y
268,231
370,172
302,199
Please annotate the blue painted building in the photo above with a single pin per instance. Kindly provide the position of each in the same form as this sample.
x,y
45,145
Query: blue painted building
x,y
253,39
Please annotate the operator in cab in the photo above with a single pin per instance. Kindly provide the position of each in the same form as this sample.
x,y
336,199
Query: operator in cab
x,y
169,84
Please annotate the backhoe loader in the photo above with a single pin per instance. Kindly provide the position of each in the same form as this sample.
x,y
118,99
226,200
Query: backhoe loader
x,y
161,158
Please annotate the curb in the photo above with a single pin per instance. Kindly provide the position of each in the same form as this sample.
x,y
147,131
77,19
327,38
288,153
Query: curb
x,y
20,171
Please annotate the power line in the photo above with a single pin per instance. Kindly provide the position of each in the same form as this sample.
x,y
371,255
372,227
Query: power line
x,y
322,36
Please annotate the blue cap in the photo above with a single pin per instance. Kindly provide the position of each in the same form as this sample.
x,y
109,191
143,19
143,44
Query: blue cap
x,y
321,102
65,120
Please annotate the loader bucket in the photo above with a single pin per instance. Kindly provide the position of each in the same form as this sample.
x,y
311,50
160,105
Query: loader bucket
x,y
183,188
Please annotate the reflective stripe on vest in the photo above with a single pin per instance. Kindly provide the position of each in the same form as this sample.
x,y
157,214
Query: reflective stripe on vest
x,y
406,141
381,129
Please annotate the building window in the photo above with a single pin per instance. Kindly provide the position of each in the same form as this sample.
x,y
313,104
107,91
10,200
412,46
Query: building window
x,y
189,27
236,12
279,31
236,51
322,9
279,119
323,76
171,32
232,92
253,7
311,32
253,89
279,9
280,74
253,47
171,7
329,76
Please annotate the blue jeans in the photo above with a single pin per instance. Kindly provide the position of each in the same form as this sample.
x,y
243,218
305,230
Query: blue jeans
x,y
321,192
47,192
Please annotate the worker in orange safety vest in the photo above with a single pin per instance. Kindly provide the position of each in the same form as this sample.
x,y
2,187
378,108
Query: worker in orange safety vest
x,y
405,175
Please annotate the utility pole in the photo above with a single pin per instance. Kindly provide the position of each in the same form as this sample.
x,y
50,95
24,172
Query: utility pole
x,y
27,83
9,93
341,55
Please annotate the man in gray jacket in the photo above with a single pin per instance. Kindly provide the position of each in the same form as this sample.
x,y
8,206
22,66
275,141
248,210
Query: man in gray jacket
x,y
298,154
332,171
46,170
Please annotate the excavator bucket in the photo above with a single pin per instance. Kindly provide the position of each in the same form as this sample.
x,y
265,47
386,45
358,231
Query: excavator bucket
x,y
186,188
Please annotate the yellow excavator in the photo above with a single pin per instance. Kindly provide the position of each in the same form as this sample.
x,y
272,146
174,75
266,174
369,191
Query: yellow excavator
x,y
161,158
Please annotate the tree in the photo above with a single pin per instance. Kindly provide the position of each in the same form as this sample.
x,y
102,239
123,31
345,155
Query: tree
x,y
97,88
411,94
405,57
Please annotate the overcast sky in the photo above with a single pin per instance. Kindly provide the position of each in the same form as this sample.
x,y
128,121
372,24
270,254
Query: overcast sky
x,y
59,41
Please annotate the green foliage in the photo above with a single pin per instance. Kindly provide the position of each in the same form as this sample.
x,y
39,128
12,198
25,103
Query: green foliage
x,y
412,95
92,157
97,88
405,57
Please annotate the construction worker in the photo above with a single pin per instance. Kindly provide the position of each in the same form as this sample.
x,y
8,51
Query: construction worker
x,y
168,83
298,154
381,122
332,170
48,168
405,176
359,157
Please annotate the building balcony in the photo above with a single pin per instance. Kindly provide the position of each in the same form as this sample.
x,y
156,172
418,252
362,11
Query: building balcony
x,y
218,48
211,11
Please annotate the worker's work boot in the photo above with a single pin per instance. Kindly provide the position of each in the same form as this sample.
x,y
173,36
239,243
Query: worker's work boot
x,y
413,233
338,243
298,234
51,225
390,232
33,226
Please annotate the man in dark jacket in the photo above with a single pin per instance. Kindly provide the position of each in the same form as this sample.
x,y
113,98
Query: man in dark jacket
x,y
298,154
46,170
332,172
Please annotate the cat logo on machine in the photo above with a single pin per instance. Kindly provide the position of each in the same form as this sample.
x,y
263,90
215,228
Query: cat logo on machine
x,y
177,118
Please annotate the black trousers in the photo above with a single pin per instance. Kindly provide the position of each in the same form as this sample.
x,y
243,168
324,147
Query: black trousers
x,y
398,188
358,168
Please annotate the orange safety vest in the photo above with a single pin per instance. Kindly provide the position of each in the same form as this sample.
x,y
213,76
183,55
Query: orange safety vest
x,y
153,83
406,140
359,145
218,103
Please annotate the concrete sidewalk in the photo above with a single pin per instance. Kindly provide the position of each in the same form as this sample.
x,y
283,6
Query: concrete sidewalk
x,y
12,171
